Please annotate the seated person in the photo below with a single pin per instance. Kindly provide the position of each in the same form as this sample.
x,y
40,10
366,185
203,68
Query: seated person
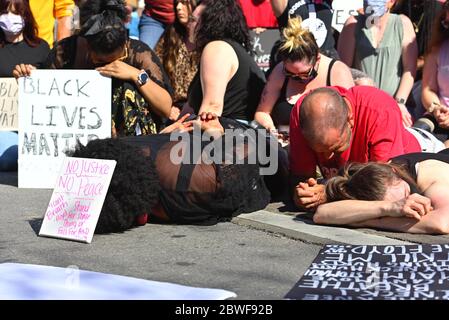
x,y
302,68
148,184
435,85
407,195
140,88
19,43
177,56
382,45
229,82
333,126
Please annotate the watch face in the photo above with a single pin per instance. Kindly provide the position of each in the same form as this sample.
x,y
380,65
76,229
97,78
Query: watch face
x,y
143,77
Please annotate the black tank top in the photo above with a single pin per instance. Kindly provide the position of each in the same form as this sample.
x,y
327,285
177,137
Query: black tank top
x,y
242,92
282,108
410,160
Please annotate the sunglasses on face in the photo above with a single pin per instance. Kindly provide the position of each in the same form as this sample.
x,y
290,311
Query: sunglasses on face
x,y
301,78
103,63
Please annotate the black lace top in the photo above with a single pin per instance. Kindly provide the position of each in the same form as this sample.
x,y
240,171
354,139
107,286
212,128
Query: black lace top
x,y
129,108
205,193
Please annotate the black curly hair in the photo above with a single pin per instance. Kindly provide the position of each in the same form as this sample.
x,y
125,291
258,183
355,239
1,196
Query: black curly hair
x,y
134,188
222,19
102,24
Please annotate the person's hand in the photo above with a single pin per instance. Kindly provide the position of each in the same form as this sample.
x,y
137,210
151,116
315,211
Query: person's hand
x,y
309,195
179,125
207,116
119,70
210,124
259,30
441,115
174,113
414,206
406,116
23,70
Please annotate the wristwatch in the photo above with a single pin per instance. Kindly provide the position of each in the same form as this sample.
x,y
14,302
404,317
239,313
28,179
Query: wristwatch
x,y
142,78
400,100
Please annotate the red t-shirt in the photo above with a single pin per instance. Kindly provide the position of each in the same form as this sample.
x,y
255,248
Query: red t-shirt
x,y
161,10
258,13
378,134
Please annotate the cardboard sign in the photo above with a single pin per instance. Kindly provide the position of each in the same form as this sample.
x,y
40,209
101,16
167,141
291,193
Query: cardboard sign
x,y
8,104
343,272
77,199
262,45
57,108
342,10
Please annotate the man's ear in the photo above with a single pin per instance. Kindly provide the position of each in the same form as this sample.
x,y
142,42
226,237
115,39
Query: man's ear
x,y
351,120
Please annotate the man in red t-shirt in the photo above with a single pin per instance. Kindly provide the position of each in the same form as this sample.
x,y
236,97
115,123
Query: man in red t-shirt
x,y
332,126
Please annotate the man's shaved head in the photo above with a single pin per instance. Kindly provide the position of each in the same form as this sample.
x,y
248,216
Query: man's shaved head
x,y
321,110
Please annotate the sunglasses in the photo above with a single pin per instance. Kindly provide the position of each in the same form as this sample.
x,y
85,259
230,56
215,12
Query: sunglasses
x,y
101,64
310,75
125,55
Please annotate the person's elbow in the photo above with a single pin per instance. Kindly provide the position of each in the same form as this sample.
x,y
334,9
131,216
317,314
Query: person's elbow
x,y
321,215
437,224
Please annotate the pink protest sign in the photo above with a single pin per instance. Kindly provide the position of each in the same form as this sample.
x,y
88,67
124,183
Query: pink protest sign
x,y
77,199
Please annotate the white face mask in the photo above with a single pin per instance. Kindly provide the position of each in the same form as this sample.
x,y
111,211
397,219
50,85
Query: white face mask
x,y
11,24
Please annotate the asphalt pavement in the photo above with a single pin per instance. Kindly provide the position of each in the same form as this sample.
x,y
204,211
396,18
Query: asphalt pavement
x,y
260,255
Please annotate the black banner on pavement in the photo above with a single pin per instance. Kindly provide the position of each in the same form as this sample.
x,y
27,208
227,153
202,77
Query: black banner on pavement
x,y
348,272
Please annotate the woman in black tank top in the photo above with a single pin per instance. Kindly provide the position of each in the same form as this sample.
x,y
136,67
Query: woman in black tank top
x,y
409,194
302,68
228,82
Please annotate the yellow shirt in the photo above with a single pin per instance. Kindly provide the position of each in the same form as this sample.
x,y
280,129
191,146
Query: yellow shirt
x,y
45,13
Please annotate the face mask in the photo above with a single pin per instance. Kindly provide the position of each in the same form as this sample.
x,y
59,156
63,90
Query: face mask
x,y
375,7
11,24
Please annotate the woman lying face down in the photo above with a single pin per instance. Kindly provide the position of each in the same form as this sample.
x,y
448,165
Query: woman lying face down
x,y
409,194
148,184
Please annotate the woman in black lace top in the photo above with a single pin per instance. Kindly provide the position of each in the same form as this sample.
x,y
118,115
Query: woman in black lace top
x,y
149,183
140,88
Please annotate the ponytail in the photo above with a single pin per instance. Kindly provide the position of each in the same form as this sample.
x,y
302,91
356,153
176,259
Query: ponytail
x,y
297,42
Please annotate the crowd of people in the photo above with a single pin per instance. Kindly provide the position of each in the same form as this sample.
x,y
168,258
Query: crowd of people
x,y
364,146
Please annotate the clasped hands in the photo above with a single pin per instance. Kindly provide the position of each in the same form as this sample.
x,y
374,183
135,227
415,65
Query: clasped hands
x,y
309,194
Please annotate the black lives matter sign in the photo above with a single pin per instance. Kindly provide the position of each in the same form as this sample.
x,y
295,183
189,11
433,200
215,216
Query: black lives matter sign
x,y
345,272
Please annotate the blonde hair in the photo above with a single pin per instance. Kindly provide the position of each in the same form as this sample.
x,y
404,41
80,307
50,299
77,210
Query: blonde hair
x,y
297,42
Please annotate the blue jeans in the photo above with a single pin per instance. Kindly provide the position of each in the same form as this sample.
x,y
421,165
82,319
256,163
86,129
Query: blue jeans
x,y
150,30
8,150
